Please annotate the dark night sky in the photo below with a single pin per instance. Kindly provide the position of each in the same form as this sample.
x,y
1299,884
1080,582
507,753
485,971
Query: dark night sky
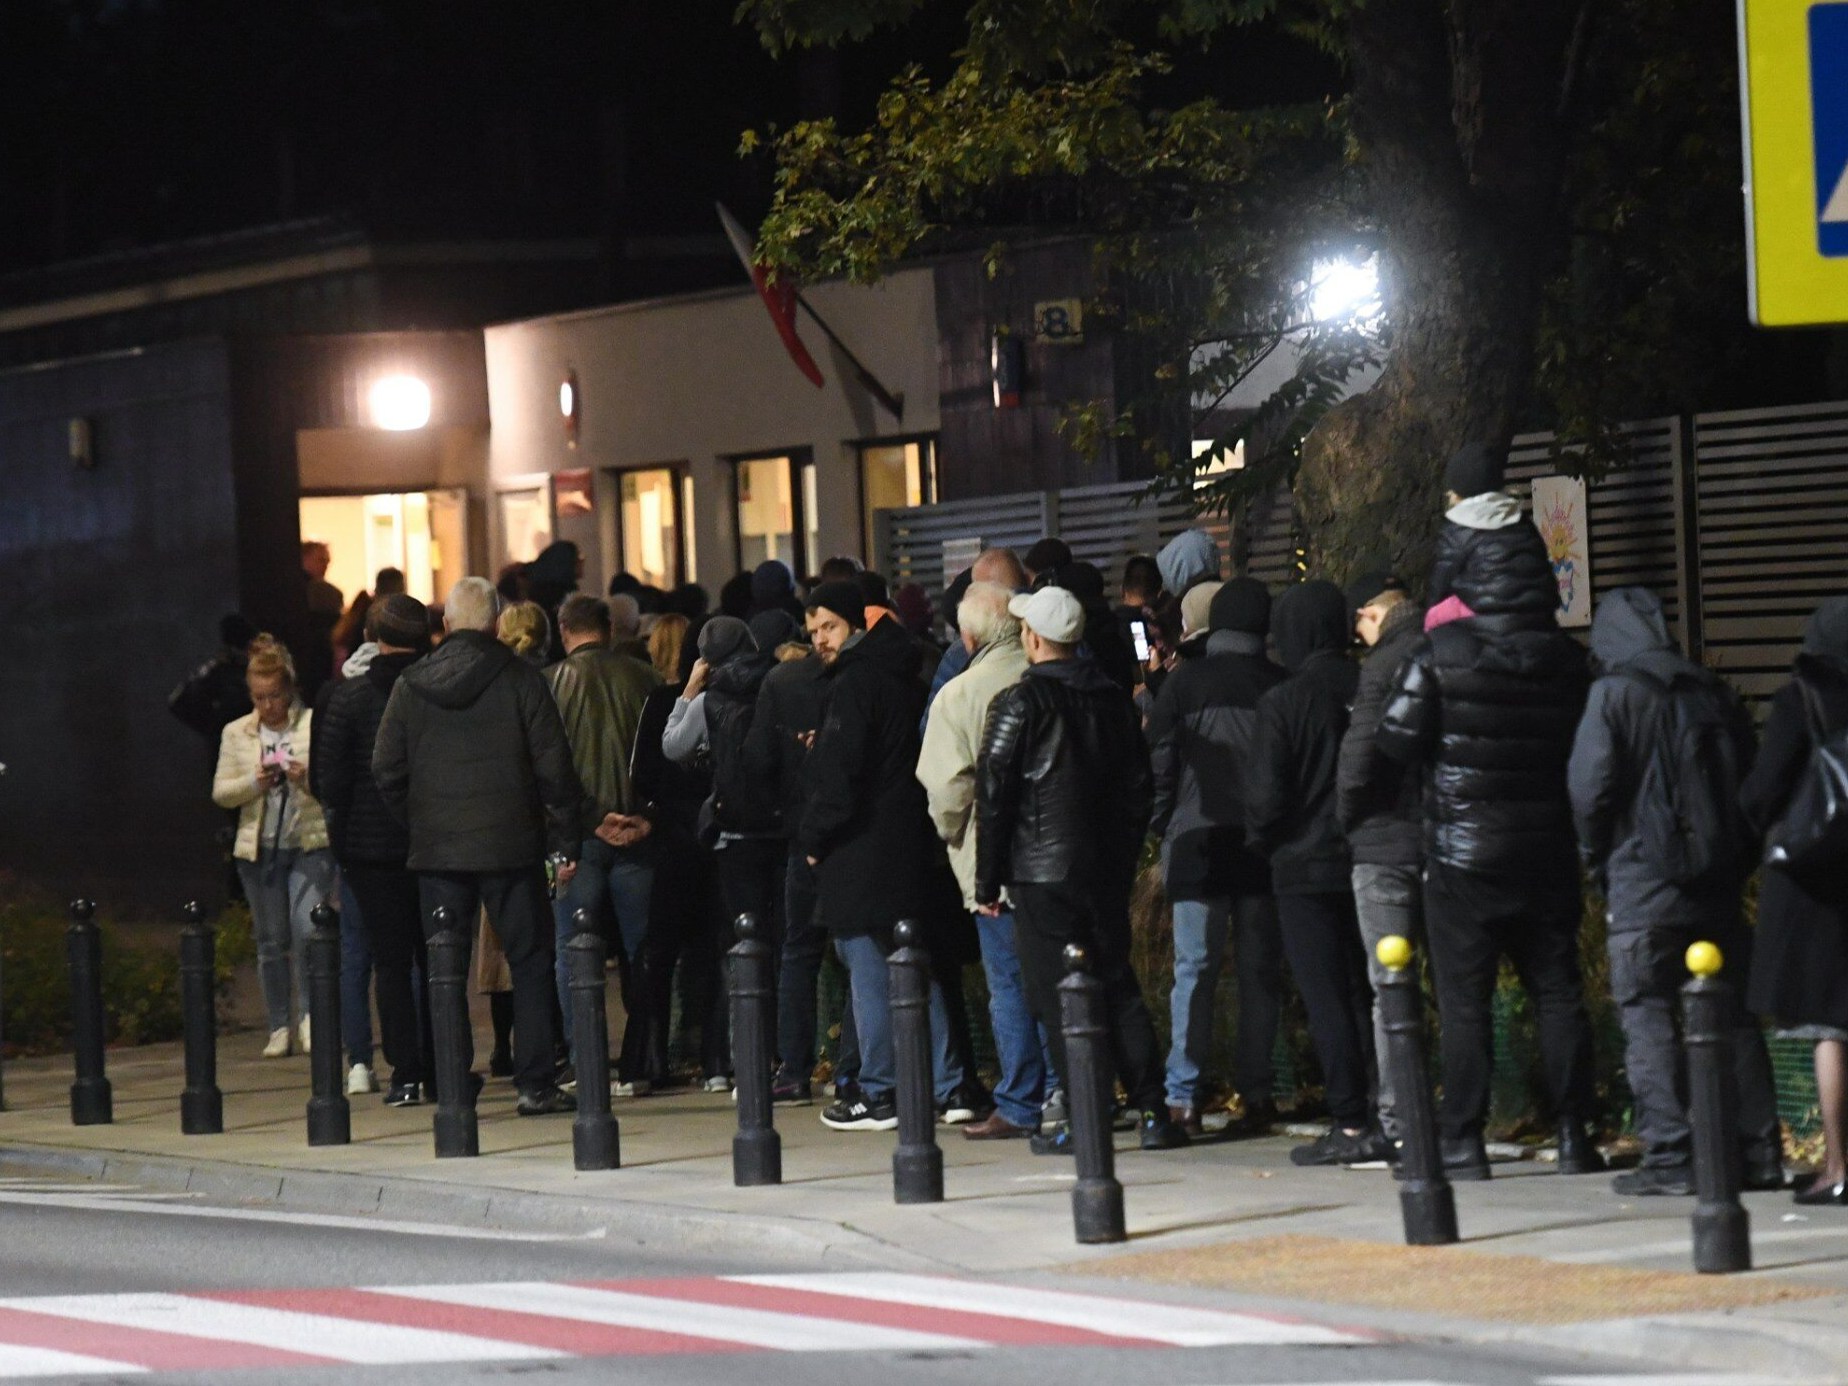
x,y
130,122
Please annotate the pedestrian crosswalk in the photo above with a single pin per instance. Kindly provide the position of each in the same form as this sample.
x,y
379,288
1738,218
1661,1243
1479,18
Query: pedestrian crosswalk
x,y
511,1321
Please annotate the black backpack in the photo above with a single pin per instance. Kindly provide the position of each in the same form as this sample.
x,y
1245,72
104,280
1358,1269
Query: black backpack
x,y
1687,805
1811,842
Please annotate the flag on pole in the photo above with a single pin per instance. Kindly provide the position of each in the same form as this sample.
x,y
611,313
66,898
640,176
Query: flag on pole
x,y
780,298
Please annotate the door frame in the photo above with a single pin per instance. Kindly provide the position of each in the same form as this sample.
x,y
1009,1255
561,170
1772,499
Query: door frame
x,y
679,472
796,459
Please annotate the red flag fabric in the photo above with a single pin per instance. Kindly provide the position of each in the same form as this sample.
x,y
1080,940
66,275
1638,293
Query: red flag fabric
x,y
779,298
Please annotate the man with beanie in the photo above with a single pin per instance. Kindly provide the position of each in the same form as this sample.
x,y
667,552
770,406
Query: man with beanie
x,y
1202,732
866,830
1486,709
1044,558
1379,802
1290,812
1062,806
773,588
1488,555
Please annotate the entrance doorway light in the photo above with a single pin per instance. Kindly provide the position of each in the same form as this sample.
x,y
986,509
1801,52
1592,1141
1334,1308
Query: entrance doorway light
x,y
400,403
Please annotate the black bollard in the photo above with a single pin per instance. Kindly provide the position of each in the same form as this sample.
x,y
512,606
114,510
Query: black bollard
x,y
92,1101
202,1105
329,1118
454,1124
1097,1200
1722,1227
1427,1203
595,1141
757,1149
917,1163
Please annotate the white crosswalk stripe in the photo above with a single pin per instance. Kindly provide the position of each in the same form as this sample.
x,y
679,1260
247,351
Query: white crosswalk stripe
x,y
33,1361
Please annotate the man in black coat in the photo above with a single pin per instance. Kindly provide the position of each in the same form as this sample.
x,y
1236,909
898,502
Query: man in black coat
x,y
866,830
1290,812
1660,754
1063,795
370,841
1201,733
1488,707
1379,802
472,754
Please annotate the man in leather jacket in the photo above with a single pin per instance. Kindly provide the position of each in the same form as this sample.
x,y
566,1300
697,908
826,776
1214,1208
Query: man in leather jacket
x,y
1063,795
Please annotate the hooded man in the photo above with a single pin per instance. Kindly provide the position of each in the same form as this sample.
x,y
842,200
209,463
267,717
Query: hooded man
x,y
1290,814
1659,756
1190,557
1201,732
1489,554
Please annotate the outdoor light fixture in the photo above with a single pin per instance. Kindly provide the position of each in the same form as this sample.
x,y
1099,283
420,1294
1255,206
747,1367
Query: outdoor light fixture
x,y
569,401
82,440
1342,289
400,403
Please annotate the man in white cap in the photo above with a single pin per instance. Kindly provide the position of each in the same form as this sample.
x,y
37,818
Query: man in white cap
x,y
1063,796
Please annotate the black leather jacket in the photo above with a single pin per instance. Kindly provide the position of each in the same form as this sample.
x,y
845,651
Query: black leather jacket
x,y
1063,789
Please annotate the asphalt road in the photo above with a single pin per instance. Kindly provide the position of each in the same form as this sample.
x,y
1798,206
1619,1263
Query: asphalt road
x,y
108,1282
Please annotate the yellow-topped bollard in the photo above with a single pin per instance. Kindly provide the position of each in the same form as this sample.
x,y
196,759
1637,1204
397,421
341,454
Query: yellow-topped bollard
x,y
1394,953
1703,959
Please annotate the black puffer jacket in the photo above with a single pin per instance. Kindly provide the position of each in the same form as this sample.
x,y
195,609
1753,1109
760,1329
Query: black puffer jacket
x,y
1062,787
361,826
471,751
1290,807
1492,556
1201,732
1379,803
742,803
1490,706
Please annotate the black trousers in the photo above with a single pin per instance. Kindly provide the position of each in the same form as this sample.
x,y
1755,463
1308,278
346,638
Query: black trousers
x,y
1474,921
805,952
1049,916
390,908
522,918
751,880
1321,938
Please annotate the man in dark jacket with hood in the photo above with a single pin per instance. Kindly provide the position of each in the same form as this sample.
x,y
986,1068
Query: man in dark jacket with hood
x,y
1290,812
1062,806
1488,707
1660,754
370,841
1378,802
1201,734
472,754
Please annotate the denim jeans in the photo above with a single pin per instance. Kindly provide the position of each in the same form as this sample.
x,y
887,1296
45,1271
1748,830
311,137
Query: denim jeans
x,y
1018,1046
355,979
869,980
1200,931
282,888
1389,901
610,881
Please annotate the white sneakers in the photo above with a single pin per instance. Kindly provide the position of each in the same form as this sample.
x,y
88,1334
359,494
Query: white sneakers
x,y
641,1087
717,1083
302,1043
278,1046
360,1080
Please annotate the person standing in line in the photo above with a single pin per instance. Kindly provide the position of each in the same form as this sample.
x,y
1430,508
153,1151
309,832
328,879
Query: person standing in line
x,y
371,844
1379,805
1290,813
991,565
281,847
472,752
1655,774
1202,734
325,602
600,695
1063,795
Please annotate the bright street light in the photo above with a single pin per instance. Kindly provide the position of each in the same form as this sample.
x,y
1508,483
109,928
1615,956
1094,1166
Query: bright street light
x,y
400,403
1342,289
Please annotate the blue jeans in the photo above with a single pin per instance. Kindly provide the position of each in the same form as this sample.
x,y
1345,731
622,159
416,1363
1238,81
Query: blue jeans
x,y
1200,931
282,888
1018,1045
870,983
610,881
355,980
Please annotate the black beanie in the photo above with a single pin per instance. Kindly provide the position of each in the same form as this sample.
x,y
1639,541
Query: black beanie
x,y
1369,585
400,620
1243,604
1476,470
1046,555
843,599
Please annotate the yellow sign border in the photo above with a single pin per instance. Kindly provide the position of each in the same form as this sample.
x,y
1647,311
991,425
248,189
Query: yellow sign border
x,y
1791,282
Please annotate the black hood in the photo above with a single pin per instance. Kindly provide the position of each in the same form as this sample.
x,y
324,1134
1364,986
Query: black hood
x,y
459,670
1081,674
887,647
386,669
1309,618
1825,636
741,675
1628,625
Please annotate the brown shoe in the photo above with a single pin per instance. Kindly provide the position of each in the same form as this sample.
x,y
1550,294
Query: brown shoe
x,y
995,1127
1187,1119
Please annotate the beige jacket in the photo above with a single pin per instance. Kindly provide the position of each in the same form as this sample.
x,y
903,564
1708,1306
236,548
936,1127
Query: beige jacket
x,y
953,740
235,784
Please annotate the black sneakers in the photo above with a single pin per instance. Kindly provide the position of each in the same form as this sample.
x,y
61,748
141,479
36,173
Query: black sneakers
x,y
1337,1147
404,1095
546,1102
1159,1131
859,1113
787,1090
1654,1181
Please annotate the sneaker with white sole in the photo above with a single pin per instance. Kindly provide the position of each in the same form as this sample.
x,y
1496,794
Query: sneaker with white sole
x,y
278,1046
303,1037
717,1083
857,1114
640,1087
360,1080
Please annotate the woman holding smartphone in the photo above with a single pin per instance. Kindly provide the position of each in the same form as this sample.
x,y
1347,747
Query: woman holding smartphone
x,y
281,850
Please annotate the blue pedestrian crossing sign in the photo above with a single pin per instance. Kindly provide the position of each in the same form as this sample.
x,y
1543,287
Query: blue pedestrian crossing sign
x,y
1793,63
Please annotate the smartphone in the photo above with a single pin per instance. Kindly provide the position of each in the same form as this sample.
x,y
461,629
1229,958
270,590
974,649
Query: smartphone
x,y
1139,632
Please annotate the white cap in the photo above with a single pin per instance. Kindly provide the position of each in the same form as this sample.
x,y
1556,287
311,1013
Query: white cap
x,y
1051,613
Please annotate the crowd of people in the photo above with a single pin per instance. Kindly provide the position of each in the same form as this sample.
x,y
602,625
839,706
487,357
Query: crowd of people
x,y
1317,769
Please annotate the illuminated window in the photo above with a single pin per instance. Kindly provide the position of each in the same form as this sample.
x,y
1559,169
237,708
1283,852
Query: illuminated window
x,y
651,527
769,519
894,476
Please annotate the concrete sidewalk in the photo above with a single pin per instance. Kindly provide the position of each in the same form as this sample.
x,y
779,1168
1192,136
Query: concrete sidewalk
x,y
1545,1259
